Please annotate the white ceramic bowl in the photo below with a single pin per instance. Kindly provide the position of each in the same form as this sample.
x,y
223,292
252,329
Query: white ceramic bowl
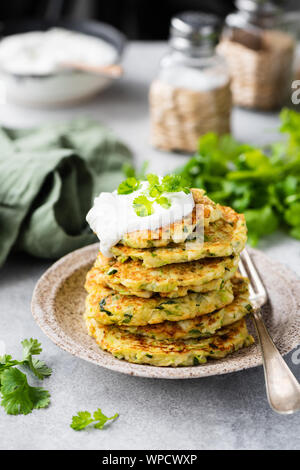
x,y
52,90
65,87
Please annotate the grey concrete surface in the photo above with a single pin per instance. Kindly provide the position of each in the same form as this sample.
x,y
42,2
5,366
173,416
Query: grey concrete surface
x,y
225,412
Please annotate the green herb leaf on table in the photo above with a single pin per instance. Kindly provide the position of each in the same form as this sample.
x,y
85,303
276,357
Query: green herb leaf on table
x,y
17,396
81,420
40,397
6,362
101,419
33,348
40,369
84,419
15,392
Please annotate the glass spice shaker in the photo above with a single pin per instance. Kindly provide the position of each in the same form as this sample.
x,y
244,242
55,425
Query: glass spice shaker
x,y
259,55
191,94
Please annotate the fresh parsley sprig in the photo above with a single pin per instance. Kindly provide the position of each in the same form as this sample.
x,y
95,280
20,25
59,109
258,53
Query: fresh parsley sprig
x,y
175,184
163,202
84,419
169,184
155,188
33,348
17,396
142,205
129,185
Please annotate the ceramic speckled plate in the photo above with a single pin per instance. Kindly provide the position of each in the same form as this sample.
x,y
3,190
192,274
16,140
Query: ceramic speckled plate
x,y
58,306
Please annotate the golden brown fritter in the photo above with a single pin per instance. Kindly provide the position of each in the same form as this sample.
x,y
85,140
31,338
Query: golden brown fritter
x,y
133,278
204,326
225,237
109,307
205,212
143,350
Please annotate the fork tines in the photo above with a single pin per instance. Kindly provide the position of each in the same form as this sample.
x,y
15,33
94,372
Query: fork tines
x,y
258,294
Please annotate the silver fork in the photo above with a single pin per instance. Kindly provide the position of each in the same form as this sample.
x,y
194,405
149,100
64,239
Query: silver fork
x,y
283,390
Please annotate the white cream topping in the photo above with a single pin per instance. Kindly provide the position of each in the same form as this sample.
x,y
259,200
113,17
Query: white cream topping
x,y
43,52
113,215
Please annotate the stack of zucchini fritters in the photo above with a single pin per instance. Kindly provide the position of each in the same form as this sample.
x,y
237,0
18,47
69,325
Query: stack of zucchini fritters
x,y
167,300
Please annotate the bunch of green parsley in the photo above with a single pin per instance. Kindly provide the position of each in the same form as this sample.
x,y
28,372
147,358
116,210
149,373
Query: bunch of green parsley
x,y
17,396
263,184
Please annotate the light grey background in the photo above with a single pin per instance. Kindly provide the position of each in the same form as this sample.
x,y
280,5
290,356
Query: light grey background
x,y
225,412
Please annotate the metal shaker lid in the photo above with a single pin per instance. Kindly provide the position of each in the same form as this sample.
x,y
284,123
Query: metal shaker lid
x,y
257,13
266,7
194,32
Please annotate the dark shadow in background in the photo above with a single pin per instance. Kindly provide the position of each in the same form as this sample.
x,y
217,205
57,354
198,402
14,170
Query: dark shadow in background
x,y
138,19
144,19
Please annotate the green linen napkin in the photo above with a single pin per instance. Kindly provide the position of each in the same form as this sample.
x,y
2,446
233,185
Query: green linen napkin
x,y
48,179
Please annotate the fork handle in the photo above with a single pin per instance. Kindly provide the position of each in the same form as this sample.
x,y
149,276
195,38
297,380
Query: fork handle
x,y
283,390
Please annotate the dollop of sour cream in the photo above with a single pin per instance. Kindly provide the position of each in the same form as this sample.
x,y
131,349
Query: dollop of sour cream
x,y
44,52
113,215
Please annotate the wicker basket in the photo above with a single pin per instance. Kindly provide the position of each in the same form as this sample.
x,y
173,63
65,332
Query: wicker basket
x,y
260,78
180,116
